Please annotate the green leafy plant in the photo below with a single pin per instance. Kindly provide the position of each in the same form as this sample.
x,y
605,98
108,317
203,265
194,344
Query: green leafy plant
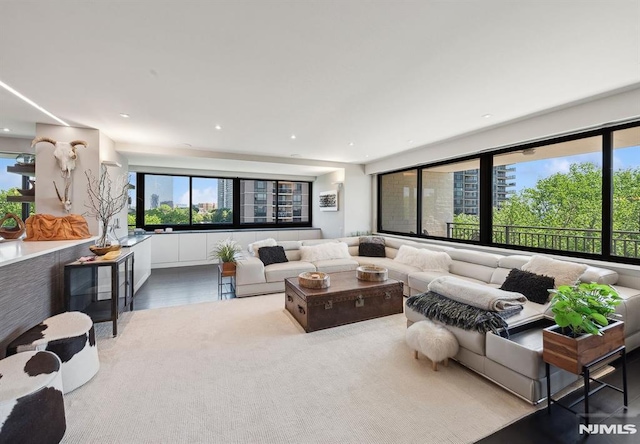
x,y
584,308
226,250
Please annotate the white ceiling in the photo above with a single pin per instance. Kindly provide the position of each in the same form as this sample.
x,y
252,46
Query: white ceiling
x,y
385,76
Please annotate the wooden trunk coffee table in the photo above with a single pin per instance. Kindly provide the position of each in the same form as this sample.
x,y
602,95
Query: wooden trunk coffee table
x,y
347,300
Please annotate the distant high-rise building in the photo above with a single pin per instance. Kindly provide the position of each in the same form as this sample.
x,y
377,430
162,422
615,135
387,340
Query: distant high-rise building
x,y
159,186
225,193
466,199
258,201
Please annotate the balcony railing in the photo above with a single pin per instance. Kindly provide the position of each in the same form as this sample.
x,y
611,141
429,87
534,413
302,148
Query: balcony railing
x,y
623,243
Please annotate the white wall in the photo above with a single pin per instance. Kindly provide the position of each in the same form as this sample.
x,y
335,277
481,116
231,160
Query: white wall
x,y
354,202
358,198
15,145
330,222
108,153
590,114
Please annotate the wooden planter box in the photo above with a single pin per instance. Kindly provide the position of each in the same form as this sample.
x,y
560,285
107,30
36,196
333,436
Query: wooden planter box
x,y
571,354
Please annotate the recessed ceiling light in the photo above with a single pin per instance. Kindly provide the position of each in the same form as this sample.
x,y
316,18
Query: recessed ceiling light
x,y
487,116
6,130
410,141
218,127
124,115
293,137
366,155
351,144
32,103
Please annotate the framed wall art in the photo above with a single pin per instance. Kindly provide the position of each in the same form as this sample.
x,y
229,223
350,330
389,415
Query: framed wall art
x,y
329,200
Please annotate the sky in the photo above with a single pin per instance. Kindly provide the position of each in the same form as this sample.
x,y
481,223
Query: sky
x,y
528,173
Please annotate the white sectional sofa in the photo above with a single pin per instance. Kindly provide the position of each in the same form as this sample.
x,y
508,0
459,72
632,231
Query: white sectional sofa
x,y
515,364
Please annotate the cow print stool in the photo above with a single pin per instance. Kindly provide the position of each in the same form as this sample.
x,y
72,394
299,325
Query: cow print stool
x,y
31,401
69,335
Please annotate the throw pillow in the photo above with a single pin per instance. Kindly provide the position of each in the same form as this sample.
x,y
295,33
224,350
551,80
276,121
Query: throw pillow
x,y
534,286
424,259
272,255
322,252
371,246
254,247
563,272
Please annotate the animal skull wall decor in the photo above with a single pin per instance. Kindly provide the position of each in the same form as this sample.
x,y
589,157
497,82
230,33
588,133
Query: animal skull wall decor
x,y
65,152
66,203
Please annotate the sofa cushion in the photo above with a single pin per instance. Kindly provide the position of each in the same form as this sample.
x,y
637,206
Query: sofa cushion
x,y
321,252
255,246
371,246
534,286
564,272
279,272
423,259
272,255
336,265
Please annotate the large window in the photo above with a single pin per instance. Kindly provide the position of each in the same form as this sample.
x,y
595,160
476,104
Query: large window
x,y
398,202
626,193
274,202
9,186
450,203
192,202
577,195
554,200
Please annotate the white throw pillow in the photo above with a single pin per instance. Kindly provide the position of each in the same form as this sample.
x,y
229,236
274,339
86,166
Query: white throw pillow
x,y
323,252
424,259
563,272
254,247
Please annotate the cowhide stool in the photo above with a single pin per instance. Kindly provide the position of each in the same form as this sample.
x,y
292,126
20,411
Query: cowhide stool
x,y
69,335
433,340
31,401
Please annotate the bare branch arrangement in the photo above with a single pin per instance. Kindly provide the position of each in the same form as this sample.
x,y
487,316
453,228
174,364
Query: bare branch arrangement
x,y
106,199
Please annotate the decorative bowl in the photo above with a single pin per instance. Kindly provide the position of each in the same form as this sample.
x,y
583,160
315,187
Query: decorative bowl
x,y
372,273
101,251
314,279
11,233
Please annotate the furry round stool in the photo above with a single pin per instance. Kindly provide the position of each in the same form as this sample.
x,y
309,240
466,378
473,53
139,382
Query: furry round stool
x,y
31,401
69,335
433,340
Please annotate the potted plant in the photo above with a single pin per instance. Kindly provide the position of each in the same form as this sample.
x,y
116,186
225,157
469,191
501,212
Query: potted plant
x,y
583,332
106,199
225,251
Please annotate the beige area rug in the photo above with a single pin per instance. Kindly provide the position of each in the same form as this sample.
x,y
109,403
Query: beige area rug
x,y
243,371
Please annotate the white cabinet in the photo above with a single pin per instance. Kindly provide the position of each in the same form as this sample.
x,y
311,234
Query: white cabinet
x,y
164,248
141,262
193,247
182,249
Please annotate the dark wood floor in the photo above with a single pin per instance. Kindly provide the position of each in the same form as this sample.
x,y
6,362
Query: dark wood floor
x,y
561,427
170,287
188,285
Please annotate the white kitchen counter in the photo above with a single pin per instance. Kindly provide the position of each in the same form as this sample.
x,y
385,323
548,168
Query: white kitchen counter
x,y
18,250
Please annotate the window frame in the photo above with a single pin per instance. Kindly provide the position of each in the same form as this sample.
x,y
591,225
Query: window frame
x,y
485,194
235,224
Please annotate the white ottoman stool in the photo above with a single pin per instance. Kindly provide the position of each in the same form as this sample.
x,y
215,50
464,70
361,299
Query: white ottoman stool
x,y
31,401
433,340
69,335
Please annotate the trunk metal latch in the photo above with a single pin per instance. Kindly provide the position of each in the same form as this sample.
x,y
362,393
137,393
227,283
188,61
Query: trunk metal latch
x,y
360,301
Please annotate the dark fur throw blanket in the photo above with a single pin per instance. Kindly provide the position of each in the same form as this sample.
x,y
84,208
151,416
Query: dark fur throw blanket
x,y
440,308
